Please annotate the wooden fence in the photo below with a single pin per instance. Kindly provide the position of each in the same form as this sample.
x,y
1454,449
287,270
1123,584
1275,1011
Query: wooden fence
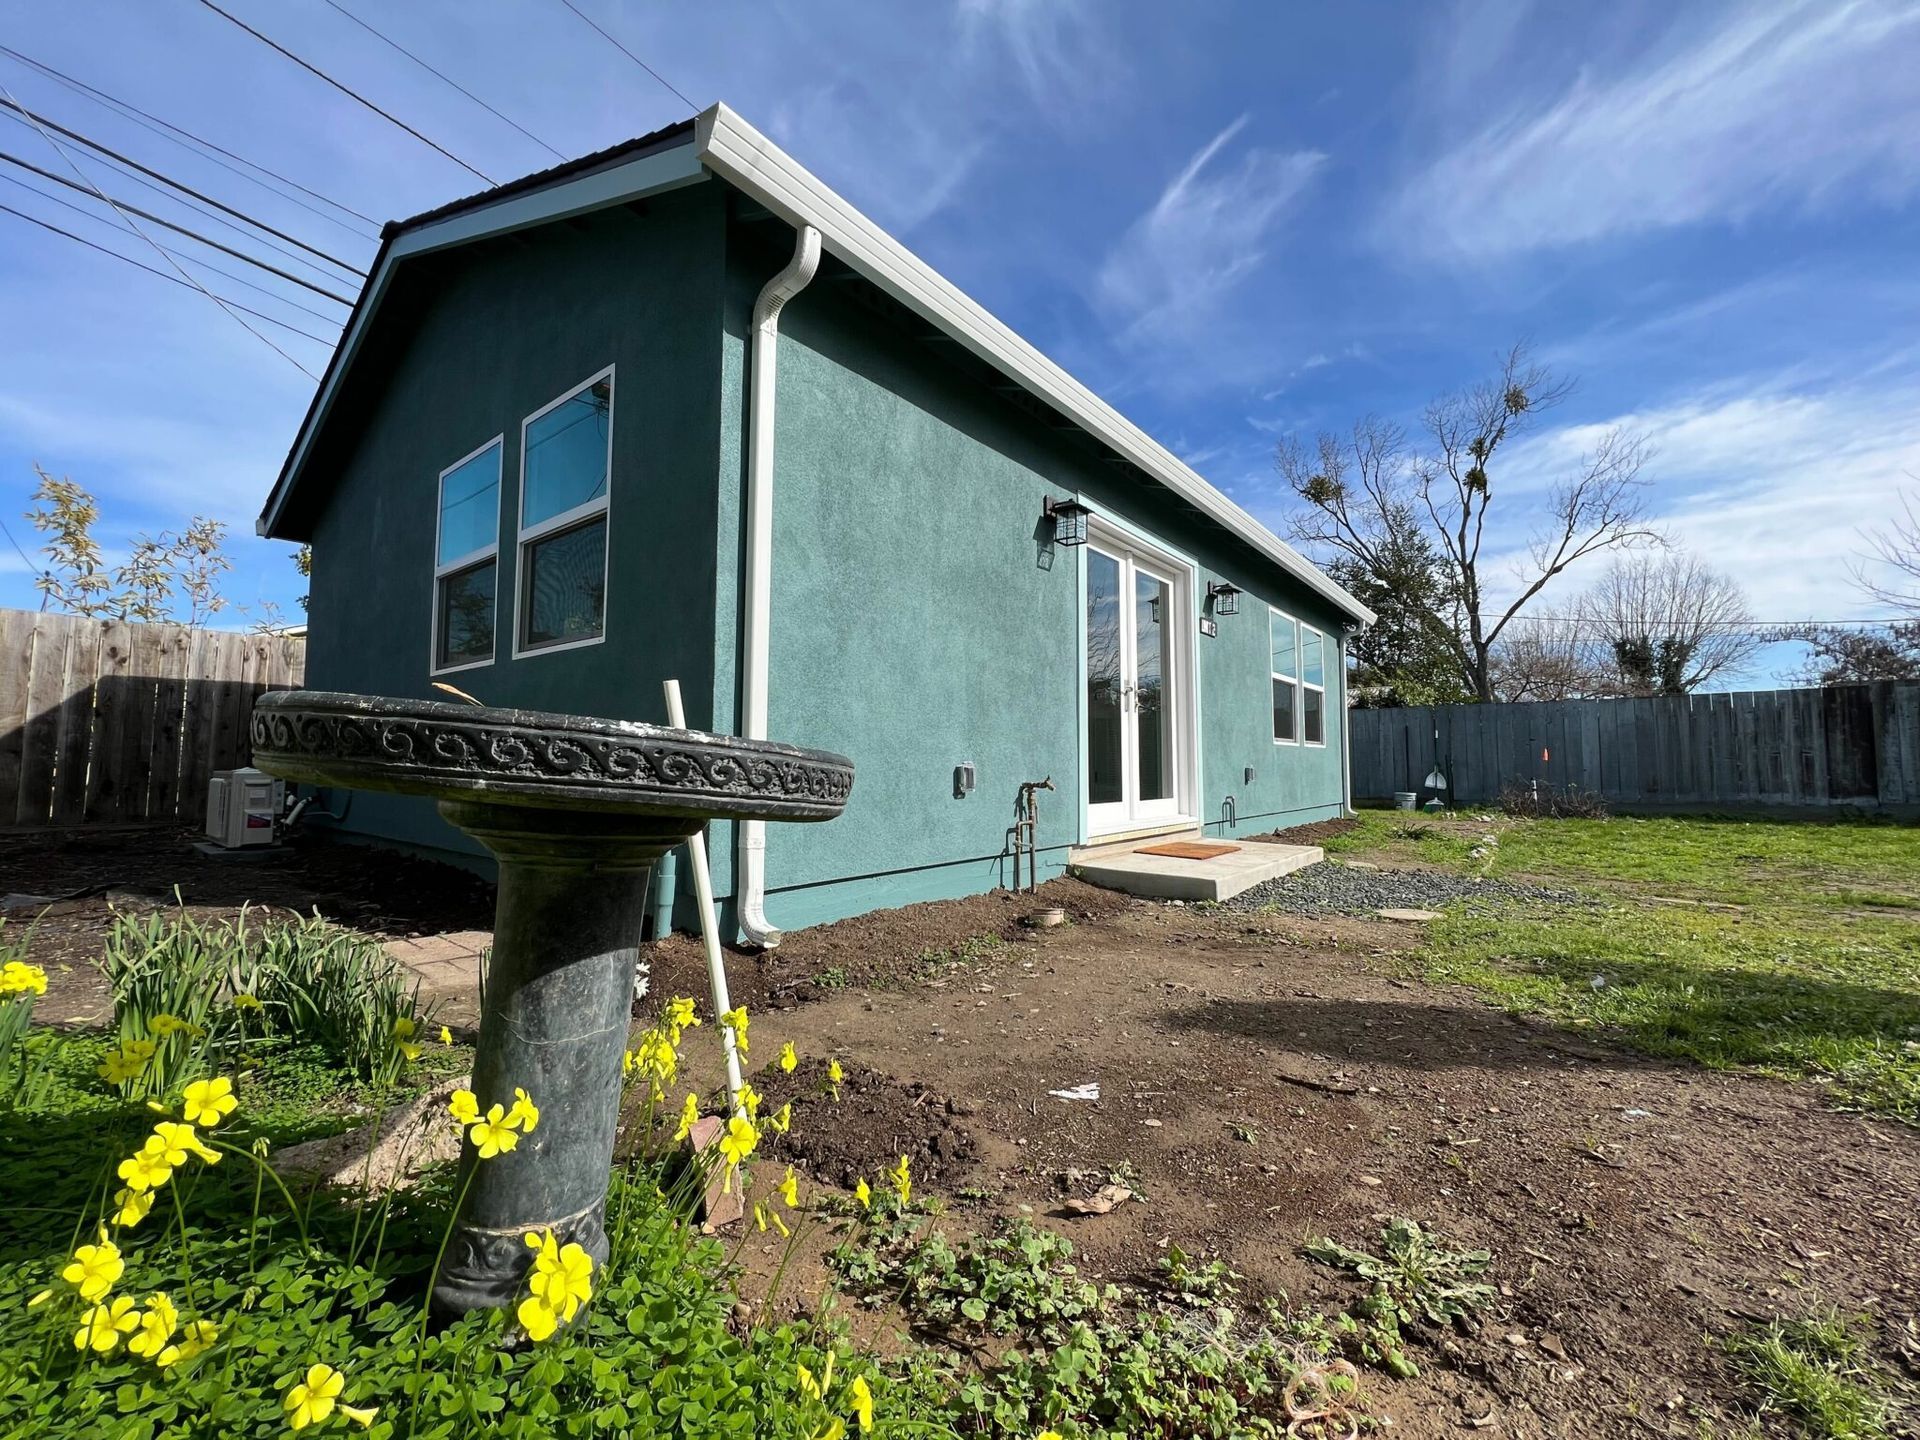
x,y
112,722
1844,745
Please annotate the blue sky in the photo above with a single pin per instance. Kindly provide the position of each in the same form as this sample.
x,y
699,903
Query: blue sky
x,y
1232,221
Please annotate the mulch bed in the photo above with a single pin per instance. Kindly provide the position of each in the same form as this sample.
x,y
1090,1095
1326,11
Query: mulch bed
x,y
877,1119
1312,833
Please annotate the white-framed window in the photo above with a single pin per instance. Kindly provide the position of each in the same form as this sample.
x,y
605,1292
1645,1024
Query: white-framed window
x,y
1284,640
566,466
466,560
1313,685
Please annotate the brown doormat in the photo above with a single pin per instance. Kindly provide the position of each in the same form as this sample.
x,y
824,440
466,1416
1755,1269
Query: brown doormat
x,y
1187,850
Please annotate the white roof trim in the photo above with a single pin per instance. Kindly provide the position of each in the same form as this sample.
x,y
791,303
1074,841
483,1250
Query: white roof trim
x,y
732,149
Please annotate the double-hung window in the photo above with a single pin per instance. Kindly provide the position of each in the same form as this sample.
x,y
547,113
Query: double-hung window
x,y
566,461
1313,686
466,560
1286,678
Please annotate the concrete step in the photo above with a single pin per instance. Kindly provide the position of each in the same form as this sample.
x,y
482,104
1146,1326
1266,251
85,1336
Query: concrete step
x,y
1168,877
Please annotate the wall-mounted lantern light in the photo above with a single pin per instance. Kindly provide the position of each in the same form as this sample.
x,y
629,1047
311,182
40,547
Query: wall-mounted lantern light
x,y
1222,598
1069,519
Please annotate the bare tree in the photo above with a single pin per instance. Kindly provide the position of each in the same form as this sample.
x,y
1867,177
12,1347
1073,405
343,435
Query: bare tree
x,y
1896,546
1354,486
1666,624
1548,659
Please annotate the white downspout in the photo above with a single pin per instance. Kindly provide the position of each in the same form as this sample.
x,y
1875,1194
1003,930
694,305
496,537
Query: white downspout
x,y
1346,731
750,885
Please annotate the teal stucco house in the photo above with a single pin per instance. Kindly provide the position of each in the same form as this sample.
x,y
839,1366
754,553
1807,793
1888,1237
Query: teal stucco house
x,y
676,409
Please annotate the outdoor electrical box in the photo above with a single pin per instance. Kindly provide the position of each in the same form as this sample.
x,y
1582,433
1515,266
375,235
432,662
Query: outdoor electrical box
x,y
242,806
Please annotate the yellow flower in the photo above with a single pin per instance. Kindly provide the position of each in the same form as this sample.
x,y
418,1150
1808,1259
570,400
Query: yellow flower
x,y
863,1194
562,1277
312,1399
446,1038
789,1060
736,1021
537,1318
133,1206
195,1337
127,1062
156,1327
678,1018
244,1001
464,1107
790,1190
862,1402
409,1050
656,1058
902,1178
749,1100
360,1417
493,1135
405,1027
782,1119
102,1326
95,1269
184,1140
835,1076
148,1168
810,1387
1049,1435
19,978
524,1115
164,1024
736,1145
689,1117
208,1102
763,1217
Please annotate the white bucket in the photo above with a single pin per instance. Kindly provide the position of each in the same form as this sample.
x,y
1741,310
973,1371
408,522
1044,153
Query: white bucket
x,y
1405,799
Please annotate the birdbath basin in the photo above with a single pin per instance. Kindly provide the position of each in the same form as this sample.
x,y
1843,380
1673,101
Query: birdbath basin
x,y
576,810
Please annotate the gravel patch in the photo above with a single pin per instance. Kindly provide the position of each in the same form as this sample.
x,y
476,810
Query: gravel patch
x,y
1333,889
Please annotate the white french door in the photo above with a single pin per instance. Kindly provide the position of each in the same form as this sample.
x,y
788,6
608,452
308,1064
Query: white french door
x,y
1138,623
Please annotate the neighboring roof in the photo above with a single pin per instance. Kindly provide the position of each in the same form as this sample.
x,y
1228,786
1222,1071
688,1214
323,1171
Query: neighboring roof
x,y
719,142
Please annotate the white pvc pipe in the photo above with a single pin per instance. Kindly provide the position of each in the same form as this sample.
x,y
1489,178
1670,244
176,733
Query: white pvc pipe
x,y
750,884
709,923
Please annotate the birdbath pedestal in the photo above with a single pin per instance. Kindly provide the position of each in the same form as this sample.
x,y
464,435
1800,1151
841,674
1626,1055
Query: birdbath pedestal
x,y
576,810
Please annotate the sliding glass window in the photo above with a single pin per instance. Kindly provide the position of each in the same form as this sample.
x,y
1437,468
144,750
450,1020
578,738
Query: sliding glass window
x,y
566,461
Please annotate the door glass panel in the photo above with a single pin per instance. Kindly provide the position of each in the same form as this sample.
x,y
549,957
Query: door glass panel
x,y
1103,679
1152,606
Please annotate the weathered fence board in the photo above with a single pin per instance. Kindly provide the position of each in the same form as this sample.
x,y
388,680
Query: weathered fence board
x,y
1845,745
111,722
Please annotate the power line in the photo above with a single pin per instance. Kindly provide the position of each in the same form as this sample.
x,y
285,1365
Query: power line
x,y
32,568
1583,622
175,279
344,90
622,49
448,79
230,309
90,189
167,130
172,197
168,180
177,254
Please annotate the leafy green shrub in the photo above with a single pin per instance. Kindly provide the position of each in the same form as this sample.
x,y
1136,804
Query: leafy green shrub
x,y
188,995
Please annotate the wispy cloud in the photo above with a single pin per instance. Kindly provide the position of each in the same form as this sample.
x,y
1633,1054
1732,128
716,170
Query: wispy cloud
x,y
1209,230
1064,60
1770,108
1766,481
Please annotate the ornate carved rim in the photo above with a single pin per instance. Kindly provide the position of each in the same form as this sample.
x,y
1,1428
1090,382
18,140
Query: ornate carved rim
x,y
531,757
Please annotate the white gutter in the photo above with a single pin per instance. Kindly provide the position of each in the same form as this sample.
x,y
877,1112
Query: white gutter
x,y
750,885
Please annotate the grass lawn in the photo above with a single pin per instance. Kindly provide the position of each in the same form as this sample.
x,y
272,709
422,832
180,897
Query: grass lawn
x,y
1800,955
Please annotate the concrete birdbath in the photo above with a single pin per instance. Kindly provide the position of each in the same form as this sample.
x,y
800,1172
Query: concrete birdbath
x,y
576,810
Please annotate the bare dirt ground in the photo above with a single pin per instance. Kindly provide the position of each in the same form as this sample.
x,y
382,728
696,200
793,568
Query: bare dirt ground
x,y
1264,1079
1268,1079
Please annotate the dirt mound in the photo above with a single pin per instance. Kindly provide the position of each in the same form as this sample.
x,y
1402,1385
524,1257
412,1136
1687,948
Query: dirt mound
x,y
876,1120
882,950
1309,834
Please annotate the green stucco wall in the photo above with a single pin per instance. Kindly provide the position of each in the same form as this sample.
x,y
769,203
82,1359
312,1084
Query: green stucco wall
x,y
918,620
918,623
502,330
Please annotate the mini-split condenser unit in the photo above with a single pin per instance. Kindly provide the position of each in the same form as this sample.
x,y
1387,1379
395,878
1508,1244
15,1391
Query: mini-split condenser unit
x,y
242,806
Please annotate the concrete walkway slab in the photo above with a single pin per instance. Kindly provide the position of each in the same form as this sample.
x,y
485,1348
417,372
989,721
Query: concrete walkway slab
x,y
1166,877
